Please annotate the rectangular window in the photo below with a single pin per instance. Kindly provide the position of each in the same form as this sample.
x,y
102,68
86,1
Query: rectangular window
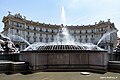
x,y
80,40
34,39
40,29
40,34
101,34
17,31
28,27
28,33
52,39
74,32
28,38
92,31
86,40
86,31
46,40
46,30
52,35
47,35
52,31
17,25
80,32
80,36
74,36
92,36
40,39
35,28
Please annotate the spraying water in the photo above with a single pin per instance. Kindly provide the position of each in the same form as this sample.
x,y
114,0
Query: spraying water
x,y
35,46
64,38
63,17
5,37
20,38
105,35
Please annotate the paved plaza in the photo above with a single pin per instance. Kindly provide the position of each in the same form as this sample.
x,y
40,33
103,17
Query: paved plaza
x,y
61,76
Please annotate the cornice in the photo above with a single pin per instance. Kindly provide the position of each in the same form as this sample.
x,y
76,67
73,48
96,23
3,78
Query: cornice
x,y
19,18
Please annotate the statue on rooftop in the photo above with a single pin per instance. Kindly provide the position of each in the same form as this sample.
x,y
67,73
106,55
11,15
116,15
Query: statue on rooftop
x,y
9,13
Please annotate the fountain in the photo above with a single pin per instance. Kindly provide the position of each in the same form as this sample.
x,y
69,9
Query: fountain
x,y
65,54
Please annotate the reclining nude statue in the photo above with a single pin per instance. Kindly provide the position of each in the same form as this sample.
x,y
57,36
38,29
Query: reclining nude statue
x,y
7,45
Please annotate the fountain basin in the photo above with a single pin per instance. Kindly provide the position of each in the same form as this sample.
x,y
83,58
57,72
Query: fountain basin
x,y
62,59
7,66
17,67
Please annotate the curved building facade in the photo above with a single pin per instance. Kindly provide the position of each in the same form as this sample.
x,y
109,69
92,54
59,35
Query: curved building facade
x,y
20,28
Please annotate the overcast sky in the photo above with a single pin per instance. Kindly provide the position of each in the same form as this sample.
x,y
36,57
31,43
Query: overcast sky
x,y
77,11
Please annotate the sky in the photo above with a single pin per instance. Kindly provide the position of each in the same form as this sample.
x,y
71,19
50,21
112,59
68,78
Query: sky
x,y
77,12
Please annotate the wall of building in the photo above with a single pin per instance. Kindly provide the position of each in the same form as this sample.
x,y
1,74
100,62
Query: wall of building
x,y
41,32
